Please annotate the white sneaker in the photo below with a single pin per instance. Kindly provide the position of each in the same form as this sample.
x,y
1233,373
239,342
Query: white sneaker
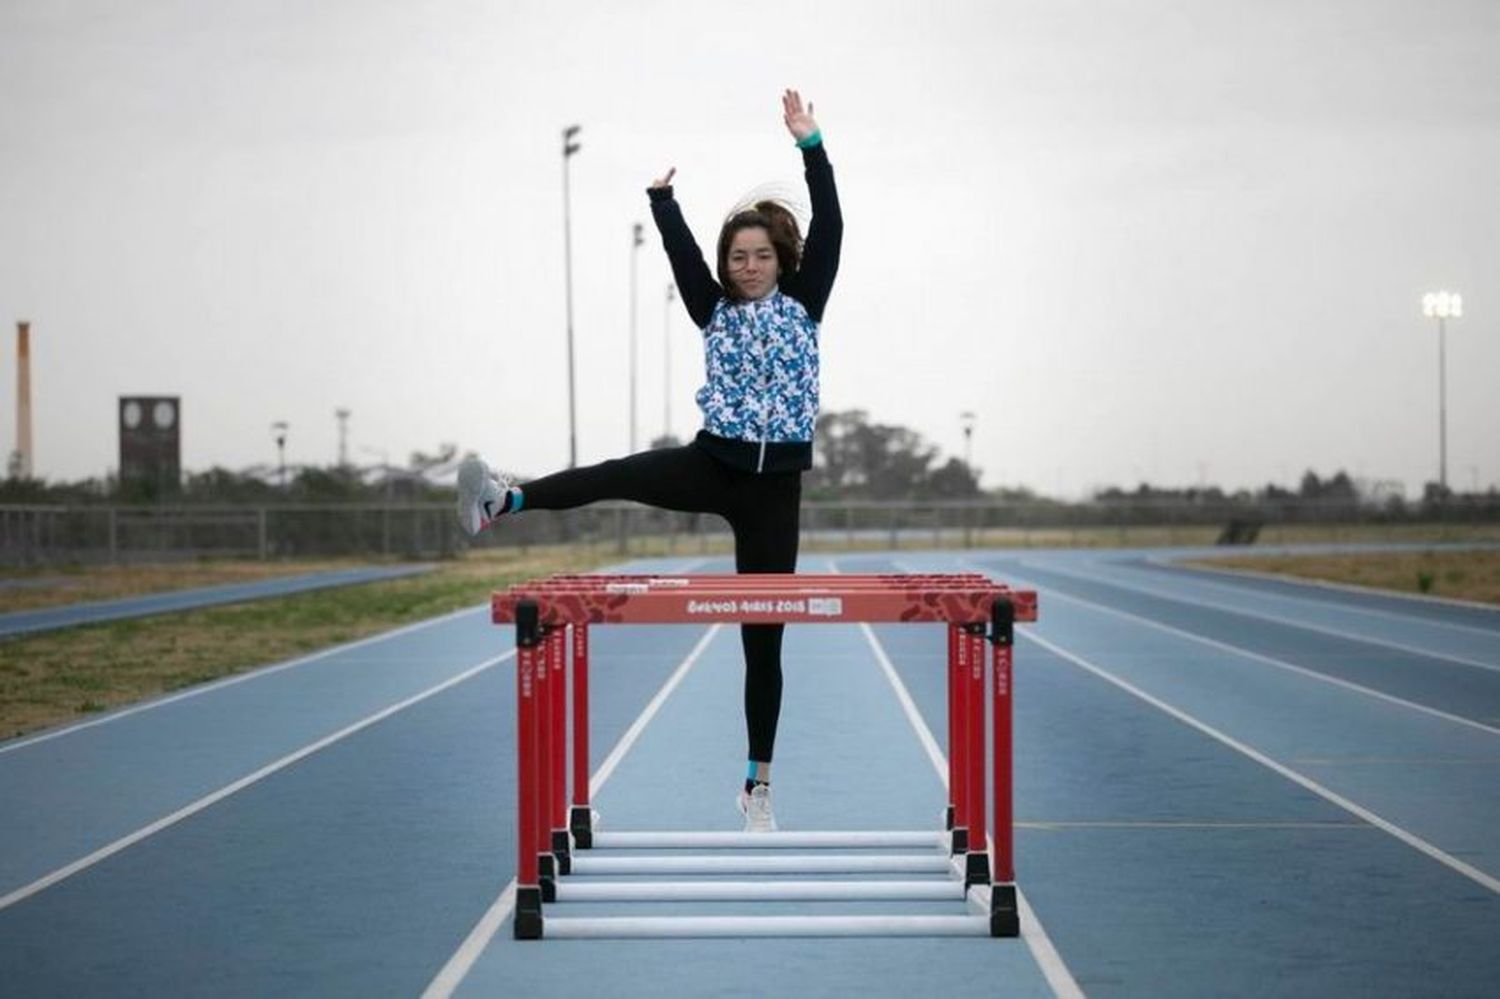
x,y
481,493
755,806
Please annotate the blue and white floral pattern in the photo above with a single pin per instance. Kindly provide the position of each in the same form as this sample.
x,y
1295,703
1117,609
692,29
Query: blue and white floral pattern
x,y
761,361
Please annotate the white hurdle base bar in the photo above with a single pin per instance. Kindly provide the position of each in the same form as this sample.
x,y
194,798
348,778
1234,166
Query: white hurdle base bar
x,y
619,927
947,889
920,863
855,866
768,841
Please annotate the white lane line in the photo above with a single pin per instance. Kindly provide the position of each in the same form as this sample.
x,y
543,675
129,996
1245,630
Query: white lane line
x,y
1383,761
213,798
1197,572
1040,944
1330,584
1410,839
1285,622
908,706
639,725
254,674
462,962
457,968
1037,941
1107,824
1268,660
1064,986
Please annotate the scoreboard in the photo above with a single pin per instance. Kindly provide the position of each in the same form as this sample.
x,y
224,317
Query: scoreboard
x,y
150,446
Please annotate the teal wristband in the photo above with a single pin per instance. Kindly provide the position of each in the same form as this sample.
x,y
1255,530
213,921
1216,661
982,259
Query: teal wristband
x,y
810,141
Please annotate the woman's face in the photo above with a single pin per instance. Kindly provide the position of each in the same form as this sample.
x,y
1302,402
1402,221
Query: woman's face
x,y
752,263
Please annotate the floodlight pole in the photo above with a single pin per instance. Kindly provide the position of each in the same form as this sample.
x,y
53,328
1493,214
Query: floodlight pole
x,y
343,417
666,353
278,430
1443,404
635,246
569,148
1442,306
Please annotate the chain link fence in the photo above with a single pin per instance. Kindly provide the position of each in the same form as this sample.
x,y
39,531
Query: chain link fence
x,y
50,534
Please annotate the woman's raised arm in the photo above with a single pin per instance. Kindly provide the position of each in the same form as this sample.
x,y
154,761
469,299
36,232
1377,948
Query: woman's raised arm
x,y
825,231
695,282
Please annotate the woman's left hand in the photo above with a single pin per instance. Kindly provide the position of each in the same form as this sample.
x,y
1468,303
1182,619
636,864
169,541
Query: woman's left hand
x,y
799,122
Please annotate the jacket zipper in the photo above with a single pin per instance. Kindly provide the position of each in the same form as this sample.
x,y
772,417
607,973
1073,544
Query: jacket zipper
x,y
765,409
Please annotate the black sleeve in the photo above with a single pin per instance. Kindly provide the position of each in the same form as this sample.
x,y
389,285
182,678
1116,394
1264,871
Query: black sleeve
x,y
695,283
825,233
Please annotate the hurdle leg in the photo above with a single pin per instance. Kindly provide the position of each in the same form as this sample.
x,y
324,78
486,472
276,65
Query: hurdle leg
x,y
977,871
1005,918
581,822
557,687
958,718
542,828
952,774
528,918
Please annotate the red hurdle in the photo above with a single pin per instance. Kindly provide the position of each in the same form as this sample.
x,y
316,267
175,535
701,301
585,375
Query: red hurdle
x,y
548,612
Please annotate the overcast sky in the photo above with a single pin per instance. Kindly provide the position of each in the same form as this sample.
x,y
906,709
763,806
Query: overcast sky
x,y
1175,241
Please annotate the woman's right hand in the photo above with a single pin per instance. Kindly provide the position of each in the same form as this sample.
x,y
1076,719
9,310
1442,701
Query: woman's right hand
x,y
664,181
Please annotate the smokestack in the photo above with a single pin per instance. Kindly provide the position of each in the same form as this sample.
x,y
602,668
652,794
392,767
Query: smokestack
x,y
23,400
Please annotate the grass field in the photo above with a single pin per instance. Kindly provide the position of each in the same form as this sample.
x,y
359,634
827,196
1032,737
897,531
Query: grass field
x,y
57,676
1460,575
72,584
823,538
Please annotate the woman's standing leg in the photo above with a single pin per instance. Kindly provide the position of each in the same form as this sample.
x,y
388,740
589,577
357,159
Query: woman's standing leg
x,y
766,522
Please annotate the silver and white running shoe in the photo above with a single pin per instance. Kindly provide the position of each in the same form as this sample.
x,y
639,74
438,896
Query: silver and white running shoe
x,y
755,806
481,494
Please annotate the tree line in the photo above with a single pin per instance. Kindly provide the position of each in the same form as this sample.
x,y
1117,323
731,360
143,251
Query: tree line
x,y
855,458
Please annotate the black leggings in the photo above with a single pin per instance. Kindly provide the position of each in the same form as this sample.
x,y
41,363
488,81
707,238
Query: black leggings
x,y
762,510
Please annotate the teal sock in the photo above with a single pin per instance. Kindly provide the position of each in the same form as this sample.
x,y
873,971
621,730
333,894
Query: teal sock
x,y
514,500
755,775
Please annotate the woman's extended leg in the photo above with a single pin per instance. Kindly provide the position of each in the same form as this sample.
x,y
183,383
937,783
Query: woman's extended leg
x,y
679,478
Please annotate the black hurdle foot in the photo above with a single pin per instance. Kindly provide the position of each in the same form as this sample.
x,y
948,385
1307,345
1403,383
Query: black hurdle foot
x,y
546,869
1005,917
977,871
581,825
528,923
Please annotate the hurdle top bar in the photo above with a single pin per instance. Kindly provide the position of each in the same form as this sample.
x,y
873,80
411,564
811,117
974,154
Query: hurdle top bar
x,y
762,598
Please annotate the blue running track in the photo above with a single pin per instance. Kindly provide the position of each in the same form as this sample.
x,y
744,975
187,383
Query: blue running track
x,y
1223,786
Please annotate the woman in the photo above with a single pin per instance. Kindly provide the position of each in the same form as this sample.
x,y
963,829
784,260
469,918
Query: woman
x,y
760,402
